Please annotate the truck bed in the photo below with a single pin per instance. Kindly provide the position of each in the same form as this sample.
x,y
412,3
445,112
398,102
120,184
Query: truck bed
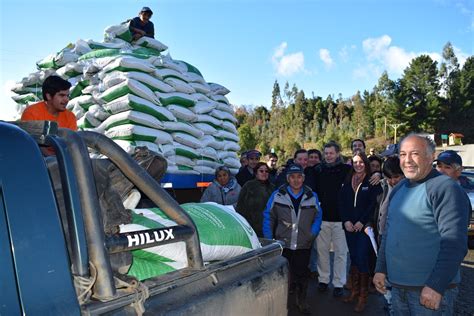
x,y
41,259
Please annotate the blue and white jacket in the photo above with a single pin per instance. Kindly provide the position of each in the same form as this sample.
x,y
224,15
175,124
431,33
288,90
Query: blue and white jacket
x,y
281,222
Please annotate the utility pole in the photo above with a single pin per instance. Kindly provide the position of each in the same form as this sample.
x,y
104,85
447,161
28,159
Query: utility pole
x,y
385,129
395,127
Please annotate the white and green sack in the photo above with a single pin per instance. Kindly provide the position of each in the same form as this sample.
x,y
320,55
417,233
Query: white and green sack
x,y
223,234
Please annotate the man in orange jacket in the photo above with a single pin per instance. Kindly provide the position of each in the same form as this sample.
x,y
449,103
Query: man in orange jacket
x,y
53,108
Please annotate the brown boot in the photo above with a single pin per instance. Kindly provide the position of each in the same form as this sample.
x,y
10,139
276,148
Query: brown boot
x,y
364,292
354,280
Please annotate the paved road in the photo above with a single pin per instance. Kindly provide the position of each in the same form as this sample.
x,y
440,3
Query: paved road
x,y
326,304
465,302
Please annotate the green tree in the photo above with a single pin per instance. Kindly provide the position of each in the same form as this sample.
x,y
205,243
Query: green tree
x,y
247,139
466,99
360,119
287,94
419,90
276,96
449,73
383,105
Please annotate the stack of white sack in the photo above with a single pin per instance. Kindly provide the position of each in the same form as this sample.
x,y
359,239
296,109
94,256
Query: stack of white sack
x,y
137,96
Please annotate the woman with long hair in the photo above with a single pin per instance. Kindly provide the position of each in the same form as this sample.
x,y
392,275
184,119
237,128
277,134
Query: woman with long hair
x,y
254,196
357,205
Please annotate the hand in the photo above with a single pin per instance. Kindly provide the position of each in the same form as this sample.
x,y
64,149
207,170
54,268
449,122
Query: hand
x,y
358,226
375,178
429,298
348,226
379,282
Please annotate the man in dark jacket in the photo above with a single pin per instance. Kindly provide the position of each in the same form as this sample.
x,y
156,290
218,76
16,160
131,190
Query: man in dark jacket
x,y
293,215
246,173
272,160
329,179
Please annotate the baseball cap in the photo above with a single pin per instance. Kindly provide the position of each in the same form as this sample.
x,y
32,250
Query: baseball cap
x,y
294,169
390,150
146,9
449,157
253,153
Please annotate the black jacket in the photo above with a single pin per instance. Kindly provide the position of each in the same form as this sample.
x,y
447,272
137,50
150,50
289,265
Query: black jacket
x,y
329,180
244,175
359,205
252,201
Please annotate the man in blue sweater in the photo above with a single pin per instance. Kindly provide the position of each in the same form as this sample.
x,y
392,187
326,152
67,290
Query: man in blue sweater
x,y
426,235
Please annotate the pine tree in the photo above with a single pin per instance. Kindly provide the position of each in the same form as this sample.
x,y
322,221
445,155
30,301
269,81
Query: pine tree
x,y
419,89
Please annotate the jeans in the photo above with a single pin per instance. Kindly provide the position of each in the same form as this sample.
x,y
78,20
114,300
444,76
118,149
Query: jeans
x,y
359,247
388,298
407,302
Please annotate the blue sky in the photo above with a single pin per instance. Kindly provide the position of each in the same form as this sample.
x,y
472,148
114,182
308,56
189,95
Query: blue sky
x,y
325,47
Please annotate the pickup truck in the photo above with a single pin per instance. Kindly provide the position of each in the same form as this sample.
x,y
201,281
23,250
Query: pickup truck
x,y
61,262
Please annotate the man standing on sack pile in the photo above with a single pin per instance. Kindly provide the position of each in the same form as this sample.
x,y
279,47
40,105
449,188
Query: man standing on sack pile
x,y
293,215
141,25
425,236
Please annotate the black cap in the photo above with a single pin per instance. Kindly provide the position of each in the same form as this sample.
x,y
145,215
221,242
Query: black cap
x,y
146,9
295,168
449,157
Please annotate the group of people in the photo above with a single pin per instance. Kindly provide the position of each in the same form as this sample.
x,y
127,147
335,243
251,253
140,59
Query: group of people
x,y
318,202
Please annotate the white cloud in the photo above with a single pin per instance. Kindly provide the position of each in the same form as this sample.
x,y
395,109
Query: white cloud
x,y
289,64
280,50
396,59
325,56
375,47
379,52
